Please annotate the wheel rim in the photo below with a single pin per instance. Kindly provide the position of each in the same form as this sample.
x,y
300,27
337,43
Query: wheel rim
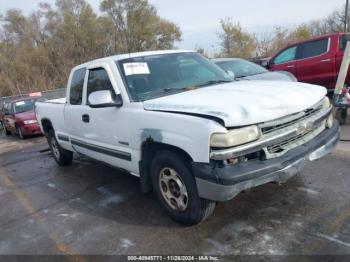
x,y
173,189
55,149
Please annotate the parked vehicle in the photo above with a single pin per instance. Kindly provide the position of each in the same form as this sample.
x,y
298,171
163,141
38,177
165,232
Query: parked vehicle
x,y
262,61
246,70
178,122
316,61
19,117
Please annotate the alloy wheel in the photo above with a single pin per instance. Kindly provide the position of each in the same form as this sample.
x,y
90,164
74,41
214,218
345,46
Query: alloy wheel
x,y
173,189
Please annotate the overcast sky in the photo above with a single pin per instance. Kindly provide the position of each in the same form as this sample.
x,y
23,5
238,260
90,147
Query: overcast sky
x,y
199,19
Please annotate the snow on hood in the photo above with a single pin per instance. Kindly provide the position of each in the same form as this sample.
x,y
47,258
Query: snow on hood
x,y
244,102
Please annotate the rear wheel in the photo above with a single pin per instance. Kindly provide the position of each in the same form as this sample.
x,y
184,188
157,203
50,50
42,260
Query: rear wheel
x,y
62,156
176,189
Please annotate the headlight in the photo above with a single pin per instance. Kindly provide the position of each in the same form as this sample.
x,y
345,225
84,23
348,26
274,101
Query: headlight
x,y
326,102
330,121
235,137
29,122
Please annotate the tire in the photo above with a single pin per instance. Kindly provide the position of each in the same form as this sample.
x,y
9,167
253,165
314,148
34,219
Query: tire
x,y
176,189
7,132
19,133
62,156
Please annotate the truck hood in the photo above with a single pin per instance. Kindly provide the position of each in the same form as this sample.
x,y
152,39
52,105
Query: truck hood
x,y
242,103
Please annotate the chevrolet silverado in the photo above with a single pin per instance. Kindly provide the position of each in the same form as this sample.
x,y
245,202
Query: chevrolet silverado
x,y
186,129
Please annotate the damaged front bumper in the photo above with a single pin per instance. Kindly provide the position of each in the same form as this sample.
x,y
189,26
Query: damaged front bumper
x,y
223,182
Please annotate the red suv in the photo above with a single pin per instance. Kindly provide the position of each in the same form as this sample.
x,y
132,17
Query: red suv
x,y
19,117
316,61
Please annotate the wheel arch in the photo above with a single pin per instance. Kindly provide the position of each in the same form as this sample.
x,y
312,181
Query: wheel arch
x,y
148,151
46,125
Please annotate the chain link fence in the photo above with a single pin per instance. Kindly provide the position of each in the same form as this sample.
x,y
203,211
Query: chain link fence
x,y
50,94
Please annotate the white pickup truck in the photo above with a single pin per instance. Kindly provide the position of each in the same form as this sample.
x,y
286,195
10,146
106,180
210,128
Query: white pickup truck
x,y
189,131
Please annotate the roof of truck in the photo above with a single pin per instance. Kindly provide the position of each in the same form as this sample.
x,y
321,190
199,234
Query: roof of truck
x,y
132,55
310,40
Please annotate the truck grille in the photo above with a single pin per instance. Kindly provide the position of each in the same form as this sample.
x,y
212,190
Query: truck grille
x,y
288,121
295,141
285,123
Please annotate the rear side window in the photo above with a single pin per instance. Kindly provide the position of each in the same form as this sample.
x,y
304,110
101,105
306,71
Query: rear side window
x,y
343,40
76,87
286,56
98,80
313,48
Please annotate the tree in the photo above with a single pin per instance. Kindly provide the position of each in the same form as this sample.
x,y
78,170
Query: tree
x,y
235,42
201,51
137,26
38,51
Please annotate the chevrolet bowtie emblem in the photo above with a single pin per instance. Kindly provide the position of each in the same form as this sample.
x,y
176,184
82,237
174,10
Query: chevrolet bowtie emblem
x,y
305,128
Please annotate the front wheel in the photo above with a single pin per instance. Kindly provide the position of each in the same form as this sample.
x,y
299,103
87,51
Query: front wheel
x,y
176,189
19,133
62,156
7,132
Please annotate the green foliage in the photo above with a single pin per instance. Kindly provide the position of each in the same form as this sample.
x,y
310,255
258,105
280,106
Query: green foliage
x,y
233,36
235,42
38,51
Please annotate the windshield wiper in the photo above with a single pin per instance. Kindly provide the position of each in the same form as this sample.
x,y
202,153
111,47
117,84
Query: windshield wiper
x,y
213,82
181,89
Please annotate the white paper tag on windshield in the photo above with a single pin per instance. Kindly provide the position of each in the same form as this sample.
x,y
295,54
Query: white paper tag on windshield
x,y
20,103
136,69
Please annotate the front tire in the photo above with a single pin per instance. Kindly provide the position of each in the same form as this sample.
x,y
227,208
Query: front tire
x,y
19,133
7,132
176,189
62,156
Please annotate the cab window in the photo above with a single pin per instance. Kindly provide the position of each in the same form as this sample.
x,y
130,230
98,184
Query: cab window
x,y
314,48
76,87
286,56
98,81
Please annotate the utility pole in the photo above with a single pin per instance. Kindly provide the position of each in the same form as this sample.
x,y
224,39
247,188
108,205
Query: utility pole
x,y
346,16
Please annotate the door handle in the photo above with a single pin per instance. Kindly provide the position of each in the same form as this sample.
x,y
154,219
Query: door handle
x,y
326,60
291,66
85,118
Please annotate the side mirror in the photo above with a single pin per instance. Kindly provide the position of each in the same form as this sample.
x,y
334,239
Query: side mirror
x,y
265,64
104,98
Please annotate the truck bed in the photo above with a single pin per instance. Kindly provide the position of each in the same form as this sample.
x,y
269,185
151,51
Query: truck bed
x,y
52,110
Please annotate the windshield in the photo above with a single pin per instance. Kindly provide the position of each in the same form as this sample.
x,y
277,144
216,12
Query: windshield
x,y
154,76
24,106
241,68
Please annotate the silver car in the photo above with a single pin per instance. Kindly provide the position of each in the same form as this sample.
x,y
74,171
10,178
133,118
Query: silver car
x,y
242,69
